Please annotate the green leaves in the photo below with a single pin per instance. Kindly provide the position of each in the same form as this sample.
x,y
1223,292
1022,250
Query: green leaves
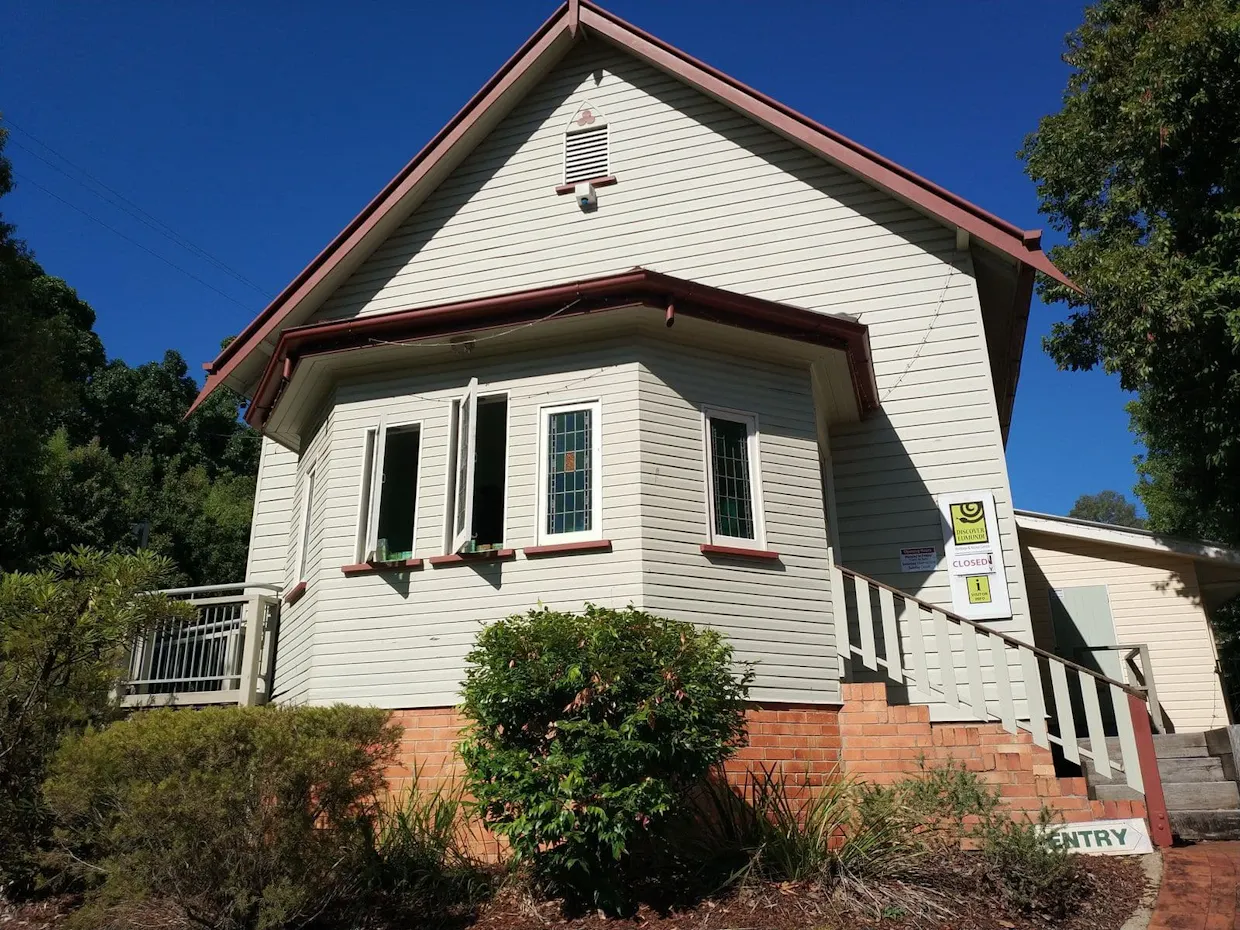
x,y
586,730
1141,170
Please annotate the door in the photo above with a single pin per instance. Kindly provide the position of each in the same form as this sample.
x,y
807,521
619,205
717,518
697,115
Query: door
x,y
1082,619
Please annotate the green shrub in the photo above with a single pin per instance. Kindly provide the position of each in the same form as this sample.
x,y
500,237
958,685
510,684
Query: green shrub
x,y
64,635
423,867
586,731
239,817
1032,873
936,808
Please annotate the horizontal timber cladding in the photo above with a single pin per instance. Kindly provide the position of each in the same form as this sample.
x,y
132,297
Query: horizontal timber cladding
x,y
1154,599
776,612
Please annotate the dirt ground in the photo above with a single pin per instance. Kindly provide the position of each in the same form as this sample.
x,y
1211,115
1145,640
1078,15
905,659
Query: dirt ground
x,y
958,900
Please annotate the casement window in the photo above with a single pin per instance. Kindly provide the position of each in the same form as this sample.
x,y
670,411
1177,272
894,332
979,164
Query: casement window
x,y
570,473
734,498
477,471
307,516
390,471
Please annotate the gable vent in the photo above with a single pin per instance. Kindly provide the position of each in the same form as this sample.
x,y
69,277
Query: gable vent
x,y
585,154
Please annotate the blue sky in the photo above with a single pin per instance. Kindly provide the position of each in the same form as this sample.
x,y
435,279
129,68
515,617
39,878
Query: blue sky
x,y
257,130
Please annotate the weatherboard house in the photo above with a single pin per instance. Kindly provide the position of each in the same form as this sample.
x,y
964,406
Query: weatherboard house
x,y
627,331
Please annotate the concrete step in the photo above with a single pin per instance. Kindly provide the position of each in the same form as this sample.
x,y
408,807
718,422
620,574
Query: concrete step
x,y
1200,796
1191,768
1183,768
1179,745
1108,791
1206,825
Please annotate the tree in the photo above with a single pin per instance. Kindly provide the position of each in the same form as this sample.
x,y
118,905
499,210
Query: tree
x,y
98,453
1106,507
63,636
1141,170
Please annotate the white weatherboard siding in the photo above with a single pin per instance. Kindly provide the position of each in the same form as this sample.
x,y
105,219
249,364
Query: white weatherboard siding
x,y
273,505
708,195
1154,600
776,614
400,640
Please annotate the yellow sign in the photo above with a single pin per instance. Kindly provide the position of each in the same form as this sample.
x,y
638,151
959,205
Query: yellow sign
x,y
969,524
979,588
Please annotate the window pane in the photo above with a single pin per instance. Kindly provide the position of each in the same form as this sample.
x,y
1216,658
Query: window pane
x,y
729,463
491,461
569,472
399,495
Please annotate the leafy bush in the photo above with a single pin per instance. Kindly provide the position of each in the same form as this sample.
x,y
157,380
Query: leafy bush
x,y
64,633
423,865
586,731
938,807
239,817
1032,873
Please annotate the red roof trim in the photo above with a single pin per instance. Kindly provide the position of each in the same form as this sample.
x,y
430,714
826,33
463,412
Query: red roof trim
x,y
639,286
385,200
578,17
1019,243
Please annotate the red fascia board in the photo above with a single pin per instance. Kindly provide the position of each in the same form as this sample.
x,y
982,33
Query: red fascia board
x,y
1021,244
638,286
310,276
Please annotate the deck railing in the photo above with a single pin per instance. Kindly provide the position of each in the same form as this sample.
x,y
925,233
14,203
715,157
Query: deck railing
x,y
969,668
221,656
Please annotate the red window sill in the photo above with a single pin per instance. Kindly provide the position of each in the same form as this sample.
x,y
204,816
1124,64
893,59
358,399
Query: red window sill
x,y
374,568
294,595
597,182
735,552
486,555
592,545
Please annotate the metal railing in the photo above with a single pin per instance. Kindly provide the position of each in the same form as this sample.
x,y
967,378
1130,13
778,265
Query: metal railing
x,y
940,655
223,655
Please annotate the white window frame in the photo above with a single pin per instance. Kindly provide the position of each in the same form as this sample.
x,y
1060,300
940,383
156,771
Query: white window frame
x,y
542,535
374,449
752,446
457,534
303,534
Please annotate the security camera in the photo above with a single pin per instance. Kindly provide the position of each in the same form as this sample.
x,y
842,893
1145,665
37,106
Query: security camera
x,y
587,198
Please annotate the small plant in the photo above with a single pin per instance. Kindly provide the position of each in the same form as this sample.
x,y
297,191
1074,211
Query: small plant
x,y
243,817
1033,873
587,730
423,866
938,807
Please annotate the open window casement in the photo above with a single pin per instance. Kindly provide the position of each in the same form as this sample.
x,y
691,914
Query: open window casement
x,y
464,441
376,443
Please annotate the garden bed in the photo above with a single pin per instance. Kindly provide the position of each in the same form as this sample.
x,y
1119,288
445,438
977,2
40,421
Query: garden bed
x,y
955,899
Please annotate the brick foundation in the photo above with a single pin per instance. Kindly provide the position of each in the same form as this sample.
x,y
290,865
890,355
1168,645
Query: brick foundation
x,y
866,738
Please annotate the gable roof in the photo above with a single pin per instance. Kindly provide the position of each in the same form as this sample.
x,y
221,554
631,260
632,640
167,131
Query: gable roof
x,y
1127,537
237,364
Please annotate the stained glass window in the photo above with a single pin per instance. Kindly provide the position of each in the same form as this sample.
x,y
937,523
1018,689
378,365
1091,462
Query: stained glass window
x,y
570,471
729,467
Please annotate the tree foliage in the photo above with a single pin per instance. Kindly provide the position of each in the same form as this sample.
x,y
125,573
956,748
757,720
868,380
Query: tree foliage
x,y
587,729
95,452
1106,507
1141,170
63,636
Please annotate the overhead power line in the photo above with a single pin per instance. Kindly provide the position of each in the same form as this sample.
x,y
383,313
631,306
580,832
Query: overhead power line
x,y
130,239
123,203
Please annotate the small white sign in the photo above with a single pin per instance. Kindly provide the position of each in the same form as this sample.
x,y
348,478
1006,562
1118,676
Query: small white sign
x,y
1104,837
919,559
972,563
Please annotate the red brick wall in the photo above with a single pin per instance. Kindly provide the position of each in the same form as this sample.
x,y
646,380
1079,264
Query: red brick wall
x,y
865,737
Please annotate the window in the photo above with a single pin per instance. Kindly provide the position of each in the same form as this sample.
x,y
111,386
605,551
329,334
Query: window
x,y
389,493
570,473
586,146
478,471
307,514
734,503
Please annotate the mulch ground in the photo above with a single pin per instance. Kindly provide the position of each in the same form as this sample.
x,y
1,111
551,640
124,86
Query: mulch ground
x,y
958,900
